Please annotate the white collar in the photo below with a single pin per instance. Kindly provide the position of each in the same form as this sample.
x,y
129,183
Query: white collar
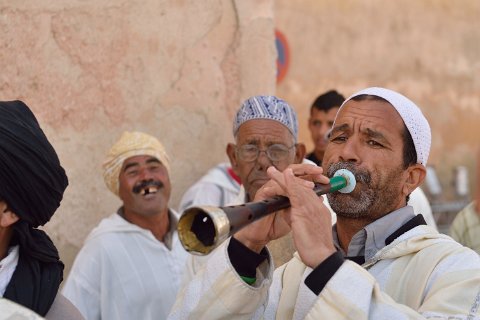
x,y
7,267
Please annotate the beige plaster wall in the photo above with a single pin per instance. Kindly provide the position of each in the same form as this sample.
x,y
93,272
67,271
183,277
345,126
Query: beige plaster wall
x,y
179,69
91,69
428,50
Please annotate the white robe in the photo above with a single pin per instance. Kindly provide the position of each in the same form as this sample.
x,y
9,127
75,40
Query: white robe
x,y
421,274
216,188
7,268
124,272
10,311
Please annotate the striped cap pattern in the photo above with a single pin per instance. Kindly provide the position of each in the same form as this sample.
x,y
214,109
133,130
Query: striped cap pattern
x,y
267,107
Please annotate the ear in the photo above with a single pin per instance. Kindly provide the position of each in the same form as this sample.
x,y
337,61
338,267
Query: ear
x,y
7,217
233,157
415,175
300,151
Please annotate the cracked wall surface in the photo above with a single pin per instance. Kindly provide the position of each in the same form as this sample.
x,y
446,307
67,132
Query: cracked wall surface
x,y
92,69
428,50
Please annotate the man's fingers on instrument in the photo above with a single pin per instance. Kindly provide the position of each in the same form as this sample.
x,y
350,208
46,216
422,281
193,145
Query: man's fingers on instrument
x,y
276,175
292,180
306,183
320,178
315,178
305,169
279,177
273,190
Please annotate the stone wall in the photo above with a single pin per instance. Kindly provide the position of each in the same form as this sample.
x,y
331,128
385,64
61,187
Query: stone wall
x,y
428,50
92,69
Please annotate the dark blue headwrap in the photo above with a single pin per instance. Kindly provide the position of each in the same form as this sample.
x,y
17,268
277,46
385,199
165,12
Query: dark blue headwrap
x,y
32,183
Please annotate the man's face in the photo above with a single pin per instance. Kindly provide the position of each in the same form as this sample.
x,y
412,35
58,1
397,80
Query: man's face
x,y
367,140
262,134
144,186
319,123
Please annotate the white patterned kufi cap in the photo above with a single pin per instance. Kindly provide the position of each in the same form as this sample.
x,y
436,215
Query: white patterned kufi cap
x,y
412,116
129,145
267,107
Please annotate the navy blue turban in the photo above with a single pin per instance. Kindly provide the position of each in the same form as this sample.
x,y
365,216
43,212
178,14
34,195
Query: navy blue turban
x,y
32,183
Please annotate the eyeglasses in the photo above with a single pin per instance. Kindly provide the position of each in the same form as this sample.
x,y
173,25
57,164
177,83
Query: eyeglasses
x,y
274,152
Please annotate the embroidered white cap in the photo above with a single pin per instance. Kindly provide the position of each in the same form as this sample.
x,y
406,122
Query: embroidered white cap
x,y
412,116
267,107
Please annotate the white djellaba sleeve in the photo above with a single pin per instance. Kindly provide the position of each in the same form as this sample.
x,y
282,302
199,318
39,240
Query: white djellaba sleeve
x,y
218,292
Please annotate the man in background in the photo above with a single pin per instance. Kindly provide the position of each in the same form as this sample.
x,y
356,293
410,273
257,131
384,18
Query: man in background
x,y
265,129
322,115
131,264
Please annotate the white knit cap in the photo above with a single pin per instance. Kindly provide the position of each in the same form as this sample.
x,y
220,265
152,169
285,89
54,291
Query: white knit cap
x,y
412,116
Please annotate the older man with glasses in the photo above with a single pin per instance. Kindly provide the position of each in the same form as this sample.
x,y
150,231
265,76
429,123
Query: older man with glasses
x,y
265,129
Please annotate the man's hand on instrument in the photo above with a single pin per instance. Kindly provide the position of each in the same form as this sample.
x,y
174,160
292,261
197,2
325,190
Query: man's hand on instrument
x,y
274,226
308,172
309,218
257,235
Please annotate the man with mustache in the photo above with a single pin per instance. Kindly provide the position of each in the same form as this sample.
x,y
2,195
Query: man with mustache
x,y
131,264
322,115
379,261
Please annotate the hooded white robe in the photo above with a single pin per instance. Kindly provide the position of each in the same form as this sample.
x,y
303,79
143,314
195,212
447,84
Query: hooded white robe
x,y
124,272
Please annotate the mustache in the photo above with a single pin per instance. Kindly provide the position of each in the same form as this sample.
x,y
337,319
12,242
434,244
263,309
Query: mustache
x,y
147,183
361,175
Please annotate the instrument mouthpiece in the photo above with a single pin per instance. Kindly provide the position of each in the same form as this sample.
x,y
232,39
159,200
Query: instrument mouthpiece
x,y
350,177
